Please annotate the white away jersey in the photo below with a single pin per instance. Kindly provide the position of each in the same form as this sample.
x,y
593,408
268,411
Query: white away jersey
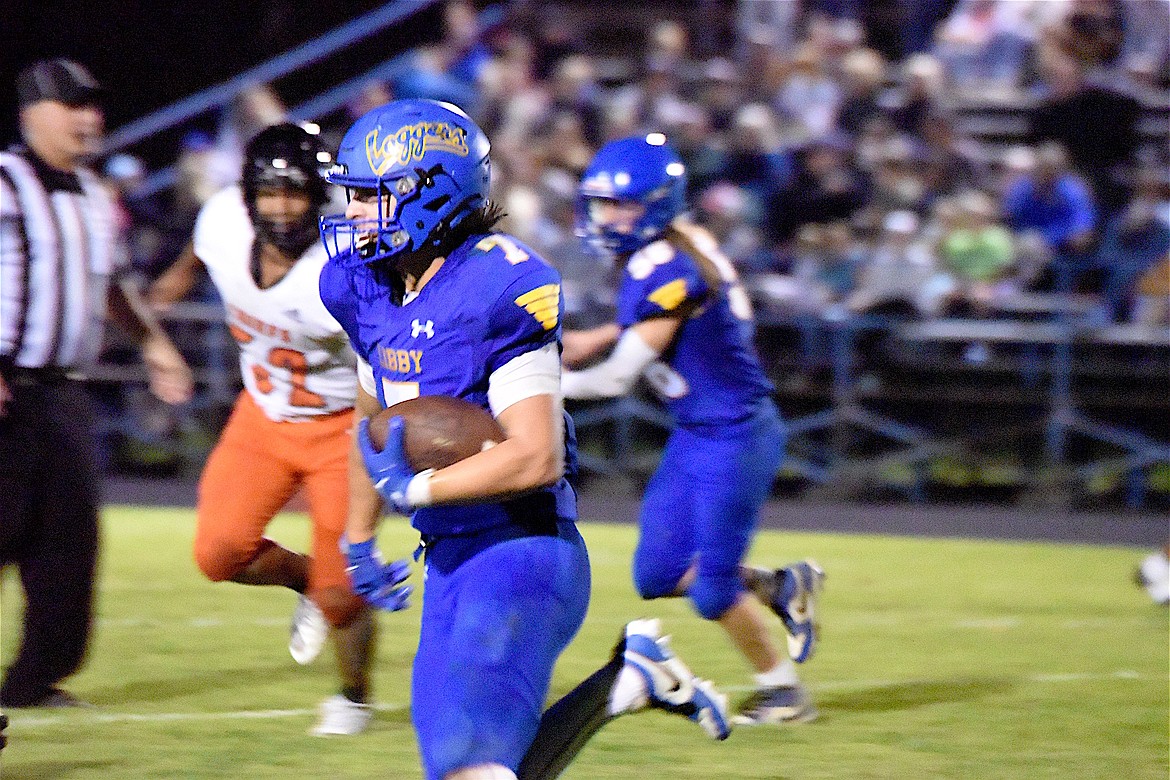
x,y
294,356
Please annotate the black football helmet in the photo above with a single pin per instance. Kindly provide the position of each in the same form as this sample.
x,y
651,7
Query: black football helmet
x,y
286,155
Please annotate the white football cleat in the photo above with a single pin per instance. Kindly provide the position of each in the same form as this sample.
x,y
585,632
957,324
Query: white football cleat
x,y
670,685
308,632
1154,575
341,717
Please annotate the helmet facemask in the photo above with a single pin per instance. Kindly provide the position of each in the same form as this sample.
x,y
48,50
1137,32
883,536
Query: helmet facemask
x,y
292,237
405,206
616,238
369,240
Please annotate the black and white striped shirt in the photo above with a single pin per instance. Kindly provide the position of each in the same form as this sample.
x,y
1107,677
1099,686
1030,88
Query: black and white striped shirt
x,y
59,246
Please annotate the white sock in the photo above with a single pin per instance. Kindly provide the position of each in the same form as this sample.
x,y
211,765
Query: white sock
x,y
783,675
1156,577
629,692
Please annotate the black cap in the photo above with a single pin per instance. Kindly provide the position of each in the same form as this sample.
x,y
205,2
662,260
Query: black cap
x,y
61,80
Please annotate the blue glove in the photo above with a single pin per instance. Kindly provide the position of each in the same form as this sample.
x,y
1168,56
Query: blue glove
x,y
377,582
388,469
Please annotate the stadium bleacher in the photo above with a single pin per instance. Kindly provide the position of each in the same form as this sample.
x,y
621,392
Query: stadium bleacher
x,y
866,404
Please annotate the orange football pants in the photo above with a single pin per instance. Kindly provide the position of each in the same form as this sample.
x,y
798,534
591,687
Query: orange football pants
x,y
252,473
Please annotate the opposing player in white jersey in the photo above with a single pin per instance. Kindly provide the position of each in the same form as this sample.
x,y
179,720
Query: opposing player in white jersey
x,y
290,426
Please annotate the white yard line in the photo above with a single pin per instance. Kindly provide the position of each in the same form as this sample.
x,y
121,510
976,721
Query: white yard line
x,y
18,721
195,622
848,685
82,717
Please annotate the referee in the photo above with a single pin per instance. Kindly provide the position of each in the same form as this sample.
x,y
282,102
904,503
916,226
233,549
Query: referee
x,y
61,264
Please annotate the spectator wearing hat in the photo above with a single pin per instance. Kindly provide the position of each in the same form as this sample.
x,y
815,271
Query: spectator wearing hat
x,y
61,261
1056,205
573,88
955,161
863,75
727,211
828,270
720,93
898,182
809,96
893,279
702,150
919,95
652,103
975,255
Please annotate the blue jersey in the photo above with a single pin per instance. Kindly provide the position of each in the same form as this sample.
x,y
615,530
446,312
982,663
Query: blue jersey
x,y
492,300
710,375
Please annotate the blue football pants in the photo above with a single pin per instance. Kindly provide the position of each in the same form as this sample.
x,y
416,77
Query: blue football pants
x,y
701,507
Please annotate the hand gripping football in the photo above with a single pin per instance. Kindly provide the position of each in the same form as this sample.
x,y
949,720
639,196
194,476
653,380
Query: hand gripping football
x,y
440,430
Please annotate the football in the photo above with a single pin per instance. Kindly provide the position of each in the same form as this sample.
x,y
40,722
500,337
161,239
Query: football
x,y
440,430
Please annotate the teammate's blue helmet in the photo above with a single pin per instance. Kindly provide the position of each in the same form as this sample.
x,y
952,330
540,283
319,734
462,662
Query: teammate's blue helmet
x,y
427,162
642,169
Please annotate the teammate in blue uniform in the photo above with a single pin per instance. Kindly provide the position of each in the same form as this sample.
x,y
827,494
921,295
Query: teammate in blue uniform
x,y
685,324
435,303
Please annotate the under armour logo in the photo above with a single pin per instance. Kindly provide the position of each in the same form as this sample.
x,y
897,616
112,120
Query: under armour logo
x,y
417,327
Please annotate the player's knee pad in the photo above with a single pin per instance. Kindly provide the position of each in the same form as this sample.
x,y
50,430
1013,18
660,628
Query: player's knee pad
x,y
339,604
221,557
712,596
652,580
218,562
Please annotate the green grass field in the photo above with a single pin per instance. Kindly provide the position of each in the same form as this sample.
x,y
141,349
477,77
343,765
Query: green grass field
x,y
955,659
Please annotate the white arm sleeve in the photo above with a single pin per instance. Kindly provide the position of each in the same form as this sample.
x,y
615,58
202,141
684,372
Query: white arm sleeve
x,y
534,373
366,377
613,376
524,376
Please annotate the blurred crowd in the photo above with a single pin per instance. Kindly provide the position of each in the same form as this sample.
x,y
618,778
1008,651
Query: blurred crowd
x,y
840,174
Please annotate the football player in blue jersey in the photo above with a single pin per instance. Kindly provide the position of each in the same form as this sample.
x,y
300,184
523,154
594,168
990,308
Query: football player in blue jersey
x,y
436,303
685,324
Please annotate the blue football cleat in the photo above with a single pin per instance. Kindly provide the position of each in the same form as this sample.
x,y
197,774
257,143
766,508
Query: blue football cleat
x,y
670,684
794,599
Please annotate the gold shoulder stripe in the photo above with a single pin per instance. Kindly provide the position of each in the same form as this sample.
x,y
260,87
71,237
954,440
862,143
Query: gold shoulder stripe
x,y
543,303
669,295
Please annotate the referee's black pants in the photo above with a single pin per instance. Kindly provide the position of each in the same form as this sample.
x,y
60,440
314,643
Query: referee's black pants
x,y
49,497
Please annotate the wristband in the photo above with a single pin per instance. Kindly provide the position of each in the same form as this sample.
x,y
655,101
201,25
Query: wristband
x,y
418,490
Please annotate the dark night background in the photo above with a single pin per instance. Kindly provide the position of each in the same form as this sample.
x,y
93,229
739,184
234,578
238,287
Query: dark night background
x,y
150,54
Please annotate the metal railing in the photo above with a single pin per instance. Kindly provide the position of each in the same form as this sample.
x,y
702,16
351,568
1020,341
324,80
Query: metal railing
x,y
822,451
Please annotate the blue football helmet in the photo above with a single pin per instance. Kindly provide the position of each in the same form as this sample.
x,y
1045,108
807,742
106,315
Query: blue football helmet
x,y
427,162
641,169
